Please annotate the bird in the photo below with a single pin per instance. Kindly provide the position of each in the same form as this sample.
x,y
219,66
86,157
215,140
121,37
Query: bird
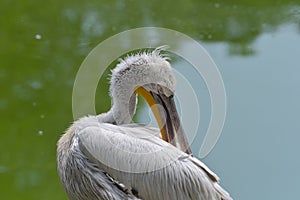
x,y
108,157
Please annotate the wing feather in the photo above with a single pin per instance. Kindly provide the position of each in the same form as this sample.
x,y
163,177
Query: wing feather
x,y
136,156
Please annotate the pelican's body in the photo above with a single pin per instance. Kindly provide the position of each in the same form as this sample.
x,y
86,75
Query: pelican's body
x,y
104,157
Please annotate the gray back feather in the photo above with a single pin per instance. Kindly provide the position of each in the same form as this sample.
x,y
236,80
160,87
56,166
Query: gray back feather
x,y
144,163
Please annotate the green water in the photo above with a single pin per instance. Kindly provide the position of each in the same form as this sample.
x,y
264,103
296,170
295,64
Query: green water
x,y
254,43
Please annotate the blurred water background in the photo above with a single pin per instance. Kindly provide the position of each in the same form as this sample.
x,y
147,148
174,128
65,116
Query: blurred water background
x,y
256,45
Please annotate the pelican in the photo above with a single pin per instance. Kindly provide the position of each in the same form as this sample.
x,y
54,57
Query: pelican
x,y
106,157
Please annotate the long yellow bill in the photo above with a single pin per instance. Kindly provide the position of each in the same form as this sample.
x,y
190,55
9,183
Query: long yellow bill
x,y
167,118
154,108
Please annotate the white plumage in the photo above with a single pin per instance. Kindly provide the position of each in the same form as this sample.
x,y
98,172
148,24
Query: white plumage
x,y
105,157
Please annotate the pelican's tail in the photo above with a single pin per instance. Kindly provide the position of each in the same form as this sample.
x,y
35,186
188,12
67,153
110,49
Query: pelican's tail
x,y
222,193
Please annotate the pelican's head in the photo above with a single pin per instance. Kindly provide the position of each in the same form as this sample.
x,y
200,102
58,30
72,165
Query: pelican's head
x,y
150,75
143,69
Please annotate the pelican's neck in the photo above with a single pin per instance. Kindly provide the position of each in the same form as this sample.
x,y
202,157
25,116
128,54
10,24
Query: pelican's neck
x,y
121,111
